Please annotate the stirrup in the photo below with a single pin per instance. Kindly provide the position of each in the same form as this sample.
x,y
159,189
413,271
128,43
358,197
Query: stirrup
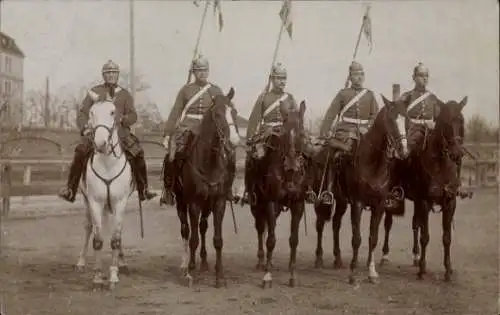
x,y
326,197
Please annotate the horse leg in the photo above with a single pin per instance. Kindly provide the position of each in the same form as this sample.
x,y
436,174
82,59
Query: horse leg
x,y
423,218
80,265
203,233
340,209
375,218
356,210
97,243
260,226
323,213
271,210
415,227
297,212
116,241
194,218
387,227
182,213
447,220
219,211
122,264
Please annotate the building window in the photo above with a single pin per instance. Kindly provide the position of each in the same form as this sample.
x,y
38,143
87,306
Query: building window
x,y
8,64
8,87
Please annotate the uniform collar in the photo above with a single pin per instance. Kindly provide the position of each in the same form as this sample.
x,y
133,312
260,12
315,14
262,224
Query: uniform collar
x,y
357,88
420,89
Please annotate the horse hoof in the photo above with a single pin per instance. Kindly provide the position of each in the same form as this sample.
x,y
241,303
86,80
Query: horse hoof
x,y
267,284
352,280
204,267
80,268
220,283
337,264
384,261
259,267
97,286
420,276
373,280
448,276
189,280
112,285
124,270
318,264
292,282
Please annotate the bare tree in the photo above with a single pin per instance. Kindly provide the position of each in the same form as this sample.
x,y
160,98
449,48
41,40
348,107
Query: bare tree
x,y
477,129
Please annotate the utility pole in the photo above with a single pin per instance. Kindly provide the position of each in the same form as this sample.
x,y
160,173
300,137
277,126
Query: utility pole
x,y
46,113
132,54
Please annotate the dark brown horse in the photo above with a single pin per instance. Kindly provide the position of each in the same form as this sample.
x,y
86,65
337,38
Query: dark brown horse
x,y
206,178
369,183
279,181
432,178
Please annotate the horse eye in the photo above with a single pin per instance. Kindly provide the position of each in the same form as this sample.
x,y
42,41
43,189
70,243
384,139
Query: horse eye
x,y
112,113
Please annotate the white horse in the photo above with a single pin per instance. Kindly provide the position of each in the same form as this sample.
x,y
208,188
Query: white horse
x,y
106,189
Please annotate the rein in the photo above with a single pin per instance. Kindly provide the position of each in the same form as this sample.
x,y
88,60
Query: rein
x,y
111,151
226,148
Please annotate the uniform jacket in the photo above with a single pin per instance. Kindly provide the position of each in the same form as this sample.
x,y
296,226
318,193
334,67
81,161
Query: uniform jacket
x,y
199,107
124,103
264,101
426,109
366,108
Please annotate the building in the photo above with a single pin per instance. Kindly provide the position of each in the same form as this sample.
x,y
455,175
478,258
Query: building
x,y
11,81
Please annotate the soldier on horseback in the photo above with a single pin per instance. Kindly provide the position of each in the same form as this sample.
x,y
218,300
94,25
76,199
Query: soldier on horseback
x,y
127,116
266,115
423,108
351,113
192,101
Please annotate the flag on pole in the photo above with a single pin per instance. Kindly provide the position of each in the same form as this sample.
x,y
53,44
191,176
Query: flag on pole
x,y
367,27
218,12
286,16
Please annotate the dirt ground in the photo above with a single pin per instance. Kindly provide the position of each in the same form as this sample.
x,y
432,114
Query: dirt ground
x,y
38,257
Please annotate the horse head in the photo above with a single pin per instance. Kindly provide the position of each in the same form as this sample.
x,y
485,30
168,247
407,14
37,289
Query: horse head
x,y
103,123
394,122
449,129
293,143
220,120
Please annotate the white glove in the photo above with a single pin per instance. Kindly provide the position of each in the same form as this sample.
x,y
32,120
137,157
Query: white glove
x,y
166,141
431,124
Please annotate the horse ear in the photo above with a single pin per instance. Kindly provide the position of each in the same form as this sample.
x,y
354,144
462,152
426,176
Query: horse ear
x,y
385,100
230,94
463,102
302,108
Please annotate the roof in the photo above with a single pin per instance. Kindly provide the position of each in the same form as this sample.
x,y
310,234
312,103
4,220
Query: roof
x,y
8,44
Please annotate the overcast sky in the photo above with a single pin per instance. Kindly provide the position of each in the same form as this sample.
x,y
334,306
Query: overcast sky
x,y
458,41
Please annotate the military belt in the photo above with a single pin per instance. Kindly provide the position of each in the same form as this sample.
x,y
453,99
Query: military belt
x,y
355,120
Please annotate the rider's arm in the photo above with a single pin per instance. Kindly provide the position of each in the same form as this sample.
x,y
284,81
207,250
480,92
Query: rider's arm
x,y
129,113
374,108
175,113
255,116
330,115
83,114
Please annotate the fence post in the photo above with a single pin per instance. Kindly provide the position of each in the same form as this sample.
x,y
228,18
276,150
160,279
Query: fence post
x,y
6,188
26,180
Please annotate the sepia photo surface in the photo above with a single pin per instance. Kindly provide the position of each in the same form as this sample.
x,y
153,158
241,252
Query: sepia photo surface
x,y
249,157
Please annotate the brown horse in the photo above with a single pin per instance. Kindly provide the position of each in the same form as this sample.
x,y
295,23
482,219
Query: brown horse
x,y
370,176
205,179
434,180
328,176
279,181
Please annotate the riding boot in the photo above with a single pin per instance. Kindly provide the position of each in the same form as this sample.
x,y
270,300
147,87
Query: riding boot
x,y
168,196
141,177
68,193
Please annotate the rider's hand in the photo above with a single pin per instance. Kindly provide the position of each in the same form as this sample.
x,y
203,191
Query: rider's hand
x,y
166,141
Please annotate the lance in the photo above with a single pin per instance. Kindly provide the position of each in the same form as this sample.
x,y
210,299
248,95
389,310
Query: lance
x,y
200,31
